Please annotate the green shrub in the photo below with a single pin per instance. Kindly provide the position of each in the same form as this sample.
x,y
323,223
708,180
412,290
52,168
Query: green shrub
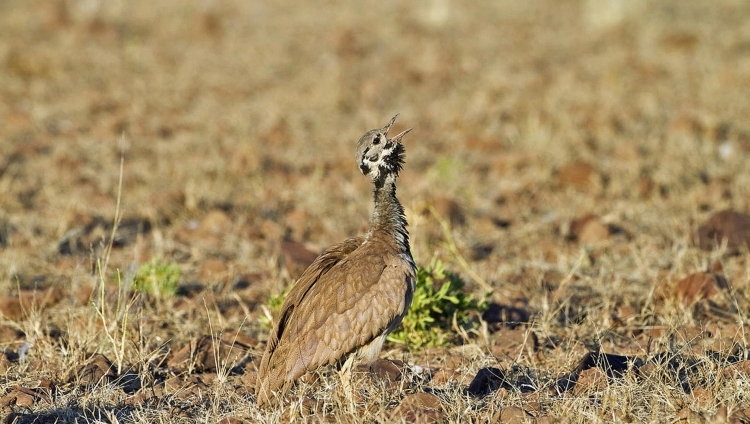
x,y
438,299
157,278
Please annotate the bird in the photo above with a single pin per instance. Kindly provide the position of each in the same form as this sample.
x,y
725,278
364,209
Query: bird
x,y
355,293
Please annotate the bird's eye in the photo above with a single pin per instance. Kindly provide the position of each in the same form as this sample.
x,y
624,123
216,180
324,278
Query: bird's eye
x,y
376,140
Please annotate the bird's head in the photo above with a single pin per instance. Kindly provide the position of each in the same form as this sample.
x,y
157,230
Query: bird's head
x,y
379,156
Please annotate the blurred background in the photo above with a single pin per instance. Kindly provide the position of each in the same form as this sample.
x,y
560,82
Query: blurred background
x,y
573,157
527,115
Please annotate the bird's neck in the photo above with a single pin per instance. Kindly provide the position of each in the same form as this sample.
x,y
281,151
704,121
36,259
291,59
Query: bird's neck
x,y
388,215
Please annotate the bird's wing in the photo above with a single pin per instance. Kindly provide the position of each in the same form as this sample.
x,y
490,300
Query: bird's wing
x,y
322,264
348,305
271,371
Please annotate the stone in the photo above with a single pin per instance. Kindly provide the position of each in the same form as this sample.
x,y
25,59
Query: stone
x,y
589,229
297,257
579,174
700,285
418,407
98,368
590,381
511,415
726,226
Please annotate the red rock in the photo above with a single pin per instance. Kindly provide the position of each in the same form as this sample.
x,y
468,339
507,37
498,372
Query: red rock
x,y
737,370
703,398
209,23
589,229
9,334
5,363
500,316
270,230
626,152
83,295
422,400
173,384
679,41
168,203
506,162
686,124
214,271
511,415
701,285
716,267
231,420
578,174
445,375
298,223
43,386
209,232
593,232
419,407
739,416
645,187
532,405
512,342
27,301
725,226
454,361
725,345
485,145
250,376
386,370
233,337
449,210
140,398
98,367
297,257
549,249
625,313
202,354
18,120
194,386
216,222
687,415
590,381
20,396
718,131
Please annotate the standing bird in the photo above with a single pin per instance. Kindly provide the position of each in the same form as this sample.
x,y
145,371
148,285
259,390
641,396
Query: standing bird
x,y
355,293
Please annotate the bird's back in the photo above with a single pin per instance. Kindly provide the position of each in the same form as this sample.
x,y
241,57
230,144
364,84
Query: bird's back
x,y
359,290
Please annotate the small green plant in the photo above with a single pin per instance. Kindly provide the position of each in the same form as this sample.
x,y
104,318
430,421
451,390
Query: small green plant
x,y
157,278
439,301
447,169
272,309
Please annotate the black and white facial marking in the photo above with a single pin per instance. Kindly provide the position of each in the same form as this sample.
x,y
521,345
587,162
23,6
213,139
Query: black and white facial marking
x,y
378,156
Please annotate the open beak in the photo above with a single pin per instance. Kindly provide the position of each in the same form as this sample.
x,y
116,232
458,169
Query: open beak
x,y
396,138
388,126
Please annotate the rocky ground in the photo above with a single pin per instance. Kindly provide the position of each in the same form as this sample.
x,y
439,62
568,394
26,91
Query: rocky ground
x,y
166,168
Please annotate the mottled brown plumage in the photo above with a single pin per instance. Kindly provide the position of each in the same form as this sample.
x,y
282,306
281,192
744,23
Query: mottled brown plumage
x,y
352,295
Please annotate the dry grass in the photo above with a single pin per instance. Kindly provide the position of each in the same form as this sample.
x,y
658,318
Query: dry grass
x,y
235,123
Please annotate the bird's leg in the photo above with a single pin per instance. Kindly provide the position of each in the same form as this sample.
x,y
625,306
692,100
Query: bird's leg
x,y
345,374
